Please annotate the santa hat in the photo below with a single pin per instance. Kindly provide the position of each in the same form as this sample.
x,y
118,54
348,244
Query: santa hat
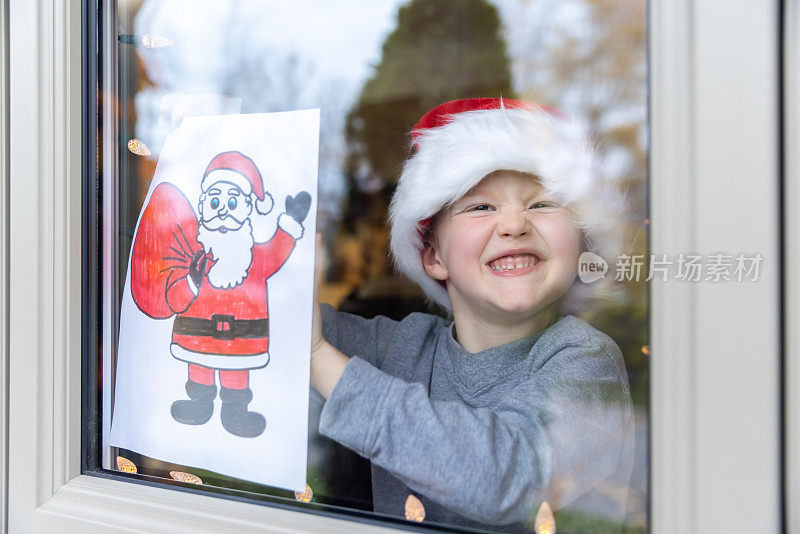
x,y
236,168
459,143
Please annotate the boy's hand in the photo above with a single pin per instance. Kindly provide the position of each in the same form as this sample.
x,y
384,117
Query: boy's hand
x,y
327,363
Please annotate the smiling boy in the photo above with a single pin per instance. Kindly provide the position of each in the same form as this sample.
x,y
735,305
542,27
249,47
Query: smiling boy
x,y
512,252
515,401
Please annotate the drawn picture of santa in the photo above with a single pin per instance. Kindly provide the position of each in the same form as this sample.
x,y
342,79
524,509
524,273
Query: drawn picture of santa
x,y
207,271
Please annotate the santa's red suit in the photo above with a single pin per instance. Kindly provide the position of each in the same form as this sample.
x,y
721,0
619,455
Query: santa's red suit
x,y
224,329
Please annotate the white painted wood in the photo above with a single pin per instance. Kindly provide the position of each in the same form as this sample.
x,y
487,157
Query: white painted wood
x,y
714,177
4,177
673,317
737,191
30,366
791,91
90,504
67,214
44,269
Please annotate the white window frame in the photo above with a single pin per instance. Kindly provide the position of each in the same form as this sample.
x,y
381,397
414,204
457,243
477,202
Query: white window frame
x,y
715,370
715,404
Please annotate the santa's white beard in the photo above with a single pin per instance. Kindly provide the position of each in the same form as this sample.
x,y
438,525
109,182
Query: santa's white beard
x,y
232,252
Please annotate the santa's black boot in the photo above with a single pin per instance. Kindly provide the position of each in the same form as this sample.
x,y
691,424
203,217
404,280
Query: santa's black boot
x,y
198,409
235,417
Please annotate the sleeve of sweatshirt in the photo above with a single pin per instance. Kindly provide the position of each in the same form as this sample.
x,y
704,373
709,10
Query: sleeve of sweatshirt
x,y
553,439
357,336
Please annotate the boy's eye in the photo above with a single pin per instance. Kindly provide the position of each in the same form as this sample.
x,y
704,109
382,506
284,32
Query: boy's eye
x,y
479,207
544,204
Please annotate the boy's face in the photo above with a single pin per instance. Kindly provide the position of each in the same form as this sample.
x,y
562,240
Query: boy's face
x,y
508,250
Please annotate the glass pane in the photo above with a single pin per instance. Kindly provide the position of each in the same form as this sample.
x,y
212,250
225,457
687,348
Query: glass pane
x,y
520,440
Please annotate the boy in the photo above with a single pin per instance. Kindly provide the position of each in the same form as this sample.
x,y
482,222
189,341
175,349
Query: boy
x,y
513,402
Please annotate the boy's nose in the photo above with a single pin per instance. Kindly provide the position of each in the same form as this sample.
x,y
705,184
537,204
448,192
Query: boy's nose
x,y
512,224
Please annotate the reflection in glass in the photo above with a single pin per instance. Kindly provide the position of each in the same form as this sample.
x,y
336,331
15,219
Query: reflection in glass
x,y
373,69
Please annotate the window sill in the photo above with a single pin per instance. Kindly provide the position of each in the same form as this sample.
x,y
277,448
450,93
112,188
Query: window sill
x,y
88,504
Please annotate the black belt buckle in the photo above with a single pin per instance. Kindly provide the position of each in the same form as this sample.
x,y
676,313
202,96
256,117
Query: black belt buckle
x,y
222,326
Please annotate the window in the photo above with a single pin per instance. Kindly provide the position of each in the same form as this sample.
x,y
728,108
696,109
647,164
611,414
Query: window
x,y
170,62
51,269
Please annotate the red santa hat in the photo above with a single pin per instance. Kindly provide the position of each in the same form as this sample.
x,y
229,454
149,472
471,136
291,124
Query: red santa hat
x,y
236,168
459,143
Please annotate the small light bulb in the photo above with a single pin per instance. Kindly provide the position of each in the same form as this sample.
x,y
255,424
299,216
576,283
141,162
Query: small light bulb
x,y
646,350
304,496
180,476
415,511
155,41
545,522
138,148
125,465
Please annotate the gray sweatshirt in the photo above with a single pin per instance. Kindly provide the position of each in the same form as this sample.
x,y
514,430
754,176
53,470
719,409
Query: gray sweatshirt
x,y
481,439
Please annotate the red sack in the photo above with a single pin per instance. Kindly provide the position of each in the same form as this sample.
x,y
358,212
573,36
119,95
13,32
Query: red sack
x,y
162,249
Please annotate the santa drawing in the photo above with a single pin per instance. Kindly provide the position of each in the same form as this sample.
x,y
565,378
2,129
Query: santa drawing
x,y
207,272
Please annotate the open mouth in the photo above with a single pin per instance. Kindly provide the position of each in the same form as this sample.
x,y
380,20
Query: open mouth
x,y
514,262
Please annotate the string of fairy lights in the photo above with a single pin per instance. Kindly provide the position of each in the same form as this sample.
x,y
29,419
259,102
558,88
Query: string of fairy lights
x,y
544,521
149,41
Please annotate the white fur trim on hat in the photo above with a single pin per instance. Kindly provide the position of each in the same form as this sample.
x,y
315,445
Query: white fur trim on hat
x,y
265,205
227,175
451,159
287,223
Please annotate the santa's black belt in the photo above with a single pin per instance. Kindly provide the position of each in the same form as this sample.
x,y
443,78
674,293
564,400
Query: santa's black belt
x,y
221,327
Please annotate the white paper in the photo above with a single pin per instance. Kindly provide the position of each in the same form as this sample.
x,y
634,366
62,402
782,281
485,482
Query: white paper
x,y
149,378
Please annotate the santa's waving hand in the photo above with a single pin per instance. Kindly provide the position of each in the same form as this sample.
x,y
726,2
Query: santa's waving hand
x,y
209,273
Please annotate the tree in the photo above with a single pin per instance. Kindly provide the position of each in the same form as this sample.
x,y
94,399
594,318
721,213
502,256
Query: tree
x,y
595,67
440,50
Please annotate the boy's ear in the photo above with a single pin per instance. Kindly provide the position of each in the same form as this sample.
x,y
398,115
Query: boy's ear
x,y
432,262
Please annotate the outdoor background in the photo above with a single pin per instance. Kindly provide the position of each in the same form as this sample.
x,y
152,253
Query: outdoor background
x,y
374,68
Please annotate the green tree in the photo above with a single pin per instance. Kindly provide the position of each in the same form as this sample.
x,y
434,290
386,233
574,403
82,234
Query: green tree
x,y
440,50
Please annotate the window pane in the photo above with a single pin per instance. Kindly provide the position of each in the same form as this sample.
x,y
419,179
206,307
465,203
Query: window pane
x,y
507,431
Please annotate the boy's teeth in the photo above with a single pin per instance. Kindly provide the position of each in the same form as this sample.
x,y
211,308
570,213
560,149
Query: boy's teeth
x,y
509,263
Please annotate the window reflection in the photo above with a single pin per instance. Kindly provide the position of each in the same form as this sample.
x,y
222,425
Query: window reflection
x,y
374,69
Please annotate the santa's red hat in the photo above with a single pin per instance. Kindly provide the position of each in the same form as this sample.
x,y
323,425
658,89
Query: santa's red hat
x,y
459,143
236,168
